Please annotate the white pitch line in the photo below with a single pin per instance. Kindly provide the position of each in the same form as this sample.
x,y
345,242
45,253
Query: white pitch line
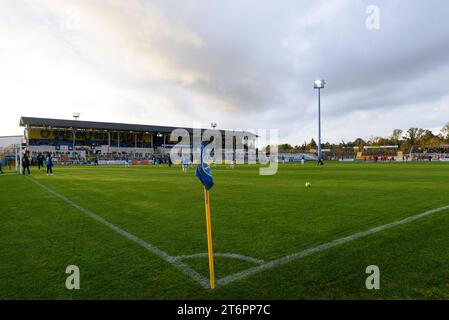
x,y
175,260
151,248
224,255
284,260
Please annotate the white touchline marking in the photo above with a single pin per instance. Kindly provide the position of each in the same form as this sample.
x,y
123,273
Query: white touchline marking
x,y
284,260
224,255
153,249
262,266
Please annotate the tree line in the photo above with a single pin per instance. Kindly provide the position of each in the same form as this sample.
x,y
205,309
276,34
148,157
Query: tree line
x,y
411,139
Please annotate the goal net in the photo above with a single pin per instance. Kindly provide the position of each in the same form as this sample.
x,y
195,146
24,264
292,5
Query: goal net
x,y
10,159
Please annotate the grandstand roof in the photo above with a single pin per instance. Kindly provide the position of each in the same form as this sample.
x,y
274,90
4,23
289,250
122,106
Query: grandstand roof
x,y
80,124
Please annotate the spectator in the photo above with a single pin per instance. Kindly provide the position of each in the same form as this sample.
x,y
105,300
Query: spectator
x,y
26,163
49,164
40,161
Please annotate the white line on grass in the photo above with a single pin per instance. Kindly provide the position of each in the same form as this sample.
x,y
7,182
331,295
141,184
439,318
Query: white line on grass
x,y
262,266
153,249
224,255
284,260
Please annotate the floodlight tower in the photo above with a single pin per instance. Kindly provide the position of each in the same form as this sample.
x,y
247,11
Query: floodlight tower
x,y
319,84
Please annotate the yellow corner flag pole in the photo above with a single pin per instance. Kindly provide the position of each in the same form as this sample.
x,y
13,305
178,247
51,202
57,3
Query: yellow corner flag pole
x,y
209,239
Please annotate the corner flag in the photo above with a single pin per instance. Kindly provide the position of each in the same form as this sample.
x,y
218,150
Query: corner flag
x,y
203,173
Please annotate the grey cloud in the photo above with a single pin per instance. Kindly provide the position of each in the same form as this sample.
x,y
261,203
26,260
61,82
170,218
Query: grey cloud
x,y
251,61
365,69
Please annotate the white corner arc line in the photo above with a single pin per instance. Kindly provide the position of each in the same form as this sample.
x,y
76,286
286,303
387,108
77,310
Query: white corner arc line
x,y
224,255
151,248
284,260
175,260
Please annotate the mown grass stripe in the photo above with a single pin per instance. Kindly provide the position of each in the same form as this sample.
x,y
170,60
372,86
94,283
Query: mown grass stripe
x,y
284,260
151,248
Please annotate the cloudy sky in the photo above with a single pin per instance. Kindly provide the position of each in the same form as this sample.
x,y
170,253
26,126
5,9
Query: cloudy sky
x,y
243,64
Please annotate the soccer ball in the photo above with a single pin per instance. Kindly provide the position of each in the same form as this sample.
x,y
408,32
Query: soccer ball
x,y
308,184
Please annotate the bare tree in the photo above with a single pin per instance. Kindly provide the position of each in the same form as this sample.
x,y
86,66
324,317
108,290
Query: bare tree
x,y
397,135
411,136
445,131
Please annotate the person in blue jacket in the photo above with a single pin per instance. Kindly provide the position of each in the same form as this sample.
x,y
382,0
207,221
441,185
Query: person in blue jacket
x,y
49,164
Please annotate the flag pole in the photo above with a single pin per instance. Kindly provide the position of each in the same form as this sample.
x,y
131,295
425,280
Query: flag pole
x,y
209,239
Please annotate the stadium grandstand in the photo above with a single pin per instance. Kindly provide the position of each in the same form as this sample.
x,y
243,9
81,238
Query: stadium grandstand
x,y
77,141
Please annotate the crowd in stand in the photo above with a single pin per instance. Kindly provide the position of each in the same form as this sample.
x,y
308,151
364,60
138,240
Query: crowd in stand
x,y
77,159
429,156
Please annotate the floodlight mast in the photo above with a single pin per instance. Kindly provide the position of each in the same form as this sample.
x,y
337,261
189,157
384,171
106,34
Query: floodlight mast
x,y
319,84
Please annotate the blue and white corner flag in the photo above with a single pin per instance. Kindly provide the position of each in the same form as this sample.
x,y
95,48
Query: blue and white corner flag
x,y
203,171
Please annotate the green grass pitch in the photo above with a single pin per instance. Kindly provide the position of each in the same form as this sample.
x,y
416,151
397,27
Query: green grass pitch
x,y
261,217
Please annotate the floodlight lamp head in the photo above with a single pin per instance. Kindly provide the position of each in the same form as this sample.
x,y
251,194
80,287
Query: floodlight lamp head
x,y
319,84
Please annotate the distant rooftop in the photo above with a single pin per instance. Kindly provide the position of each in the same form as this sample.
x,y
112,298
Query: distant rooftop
x,y
6,141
